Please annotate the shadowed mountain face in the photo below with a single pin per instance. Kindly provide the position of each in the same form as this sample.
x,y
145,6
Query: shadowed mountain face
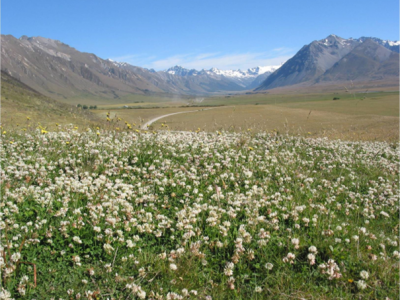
x,y
323,61
368,61
393,46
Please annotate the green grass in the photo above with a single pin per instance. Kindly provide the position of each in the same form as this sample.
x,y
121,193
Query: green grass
x,y
205,200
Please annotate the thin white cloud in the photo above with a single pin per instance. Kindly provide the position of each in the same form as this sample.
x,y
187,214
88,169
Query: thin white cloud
x,y
200,61
206,55
283,50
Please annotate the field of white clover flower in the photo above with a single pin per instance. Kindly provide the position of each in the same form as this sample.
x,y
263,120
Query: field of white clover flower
x,y
180,215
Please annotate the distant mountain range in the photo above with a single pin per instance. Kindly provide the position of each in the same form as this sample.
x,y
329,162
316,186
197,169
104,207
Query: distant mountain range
x,y
337,59
244,79
62,72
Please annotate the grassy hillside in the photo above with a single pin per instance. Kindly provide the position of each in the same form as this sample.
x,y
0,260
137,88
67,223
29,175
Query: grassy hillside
x,y
19,102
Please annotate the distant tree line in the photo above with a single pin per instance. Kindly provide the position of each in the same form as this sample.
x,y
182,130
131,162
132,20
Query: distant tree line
x,y
86,107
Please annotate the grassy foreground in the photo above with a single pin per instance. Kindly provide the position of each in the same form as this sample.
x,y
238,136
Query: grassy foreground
x,y
129,215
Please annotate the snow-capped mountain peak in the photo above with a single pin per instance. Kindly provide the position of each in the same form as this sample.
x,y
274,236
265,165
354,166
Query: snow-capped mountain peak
x,y
250,73
391,43
117,63
181,71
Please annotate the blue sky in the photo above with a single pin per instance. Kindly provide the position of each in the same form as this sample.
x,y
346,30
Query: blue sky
x,y
198,34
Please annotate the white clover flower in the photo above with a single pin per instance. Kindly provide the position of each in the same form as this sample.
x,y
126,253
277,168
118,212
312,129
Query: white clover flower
x,y
313,249
311,258
295,242
141,294
108,248
76,239
289,258
228,271
269,266
5,295
24,279
364,274
361,285
396,254
173,267
258,289
16,256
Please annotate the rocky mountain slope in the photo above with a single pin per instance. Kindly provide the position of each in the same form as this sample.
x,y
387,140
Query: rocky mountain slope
x,y
335,58
60,71
367,61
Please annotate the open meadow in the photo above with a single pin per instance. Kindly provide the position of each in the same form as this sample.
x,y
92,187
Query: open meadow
x,y
127,215
263,202
200,150
353,116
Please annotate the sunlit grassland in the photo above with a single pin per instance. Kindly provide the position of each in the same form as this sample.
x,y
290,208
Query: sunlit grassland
x,y
109,214
253,211
364,116
302,96
130,100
